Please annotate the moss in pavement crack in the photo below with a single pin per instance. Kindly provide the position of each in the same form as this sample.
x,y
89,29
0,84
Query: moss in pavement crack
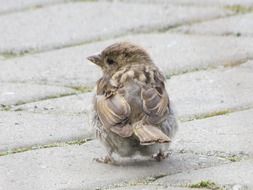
x,y
234,63
239,9
206,184
82,89
142,181
215,113
52,145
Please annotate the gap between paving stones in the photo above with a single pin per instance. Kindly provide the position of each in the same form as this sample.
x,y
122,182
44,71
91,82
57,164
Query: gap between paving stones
x,y
43,146
212,19
144,181
230,156
239,9
8,107
40,6
215,113
79,90
207,68
133,31
30,7
167,29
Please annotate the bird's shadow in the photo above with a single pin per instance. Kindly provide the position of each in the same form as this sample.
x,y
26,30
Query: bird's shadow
x,y
136,161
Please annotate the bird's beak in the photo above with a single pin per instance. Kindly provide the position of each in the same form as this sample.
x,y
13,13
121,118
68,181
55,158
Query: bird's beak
x,y
95,59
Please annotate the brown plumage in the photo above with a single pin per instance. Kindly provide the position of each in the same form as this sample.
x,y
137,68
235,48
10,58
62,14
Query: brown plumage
x,y
132,109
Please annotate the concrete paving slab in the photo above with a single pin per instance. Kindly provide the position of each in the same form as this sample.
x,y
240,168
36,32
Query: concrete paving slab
x,y
220,3
78,22
16,5
173,53
76,104
18,93
150,187
212,92
240,25
229,176
19,129
71,167
229,133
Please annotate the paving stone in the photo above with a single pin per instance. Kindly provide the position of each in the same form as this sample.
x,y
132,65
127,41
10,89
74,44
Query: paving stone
x,y
212,92
197,2
71,167
19,129
150,187
233,176
229,133
18,93
240,25
213,2
73,23
76,104
171,52
15,5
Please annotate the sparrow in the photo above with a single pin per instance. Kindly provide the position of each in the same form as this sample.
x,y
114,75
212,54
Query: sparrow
x,y
132,110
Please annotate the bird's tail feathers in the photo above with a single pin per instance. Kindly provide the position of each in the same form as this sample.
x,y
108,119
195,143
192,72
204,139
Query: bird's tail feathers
x,y
149,134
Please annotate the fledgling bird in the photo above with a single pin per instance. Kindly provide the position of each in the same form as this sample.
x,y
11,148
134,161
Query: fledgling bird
x,y
132,108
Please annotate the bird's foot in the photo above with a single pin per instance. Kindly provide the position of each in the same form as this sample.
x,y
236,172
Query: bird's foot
x,y
105,160
160,156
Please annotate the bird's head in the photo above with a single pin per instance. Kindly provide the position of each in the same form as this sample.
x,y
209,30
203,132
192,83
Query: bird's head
x,y
119,55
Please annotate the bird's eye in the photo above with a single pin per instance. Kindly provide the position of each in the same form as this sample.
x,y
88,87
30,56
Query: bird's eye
x,y
110,62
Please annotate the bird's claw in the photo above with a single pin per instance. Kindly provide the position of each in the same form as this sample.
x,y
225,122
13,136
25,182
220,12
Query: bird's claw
x,y
160,156
104,160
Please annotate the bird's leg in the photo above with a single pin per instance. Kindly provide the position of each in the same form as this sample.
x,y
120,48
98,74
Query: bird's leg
x,y
161,155
108,159
105,160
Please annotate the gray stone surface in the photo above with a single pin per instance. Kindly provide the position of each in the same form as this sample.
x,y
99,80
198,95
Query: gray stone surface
x,y
18,93
70,67
19,129
232,176
213,2
63,25
239,25
76,104
211,92
72,168
230,133
220,3
16,5
150,187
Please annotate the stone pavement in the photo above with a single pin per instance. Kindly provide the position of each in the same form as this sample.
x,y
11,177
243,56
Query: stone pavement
x,y
205,49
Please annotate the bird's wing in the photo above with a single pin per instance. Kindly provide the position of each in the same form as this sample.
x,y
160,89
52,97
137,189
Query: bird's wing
x,y
114,112
155,100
